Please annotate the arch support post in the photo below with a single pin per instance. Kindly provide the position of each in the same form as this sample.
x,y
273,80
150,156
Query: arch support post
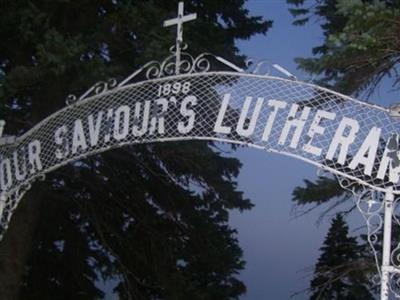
x,y
386,251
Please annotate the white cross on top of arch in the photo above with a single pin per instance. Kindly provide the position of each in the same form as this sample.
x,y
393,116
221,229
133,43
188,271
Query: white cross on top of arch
x,y
179,22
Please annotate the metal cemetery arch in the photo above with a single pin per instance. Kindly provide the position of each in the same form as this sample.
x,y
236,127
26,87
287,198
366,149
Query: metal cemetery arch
x,y
187,98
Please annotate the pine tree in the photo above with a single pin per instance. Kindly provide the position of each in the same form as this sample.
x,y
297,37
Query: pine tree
x,y
130,215
339,272
361,44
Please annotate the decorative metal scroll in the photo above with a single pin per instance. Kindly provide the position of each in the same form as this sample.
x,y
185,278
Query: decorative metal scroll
x,y
371,205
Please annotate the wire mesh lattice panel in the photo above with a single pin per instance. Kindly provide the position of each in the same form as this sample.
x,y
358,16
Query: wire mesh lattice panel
x,y
342,135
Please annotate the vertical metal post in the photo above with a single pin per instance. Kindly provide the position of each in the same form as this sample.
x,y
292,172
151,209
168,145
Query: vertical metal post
x,y
179,38
3,200
178,57
387,237
179,32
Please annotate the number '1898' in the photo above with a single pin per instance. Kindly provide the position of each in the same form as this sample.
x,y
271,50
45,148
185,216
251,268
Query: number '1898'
x,y
173,88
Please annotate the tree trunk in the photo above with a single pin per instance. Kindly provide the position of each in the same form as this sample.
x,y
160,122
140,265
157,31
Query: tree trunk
x,y
16,244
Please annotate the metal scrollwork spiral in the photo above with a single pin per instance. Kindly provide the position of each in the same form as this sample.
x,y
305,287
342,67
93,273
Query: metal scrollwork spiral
x,y
371,206
201,63
395,256
96,89
261,67
394,285
154,70
187,65
167,67
71,99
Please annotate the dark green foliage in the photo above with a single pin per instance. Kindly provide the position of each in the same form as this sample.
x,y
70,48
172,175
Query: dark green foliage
x,y
323,190
152,219
361,45
340,271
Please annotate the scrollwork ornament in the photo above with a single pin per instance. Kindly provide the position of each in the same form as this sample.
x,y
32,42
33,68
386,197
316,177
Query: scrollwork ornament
x,y
25,187
249,63
187,65
261,67
96,89
201,63
322,172
184,47
71,99
375,279
9,205
42,177
100,87
187,61
9,202
396,208
349,185
394,284
371,206
395,256
167,67
153,70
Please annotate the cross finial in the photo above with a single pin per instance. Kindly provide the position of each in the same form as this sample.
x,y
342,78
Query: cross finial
x,y
179,31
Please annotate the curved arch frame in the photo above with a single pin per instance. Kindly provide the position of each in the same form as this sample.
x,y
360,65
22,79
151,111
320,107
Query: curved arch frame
x,y
236,76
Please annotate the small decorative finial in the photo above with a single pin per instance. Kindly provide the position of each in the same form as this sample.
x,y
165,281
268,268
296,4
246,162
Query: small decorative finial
x,y
179,32
2,125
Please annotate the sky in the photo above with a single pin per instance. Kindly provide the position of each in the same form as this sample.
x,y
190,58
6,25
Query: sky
x,y
281,250
277,248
